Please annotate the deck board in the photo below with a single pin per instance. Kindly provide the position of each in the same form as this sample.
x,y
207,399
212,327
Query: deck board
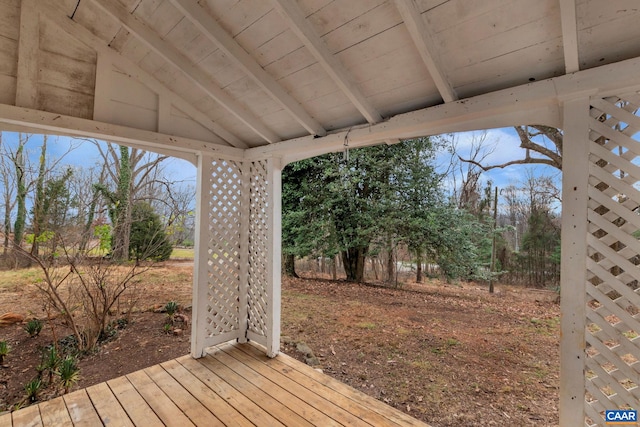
x,y
54,413
156,397
27,417
133,403
234,385
285,392
81,410
239,401
226,413
354,402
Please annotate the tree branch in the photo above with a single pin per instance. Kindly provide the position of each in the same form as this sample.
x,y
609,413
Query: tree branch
x,y
525,161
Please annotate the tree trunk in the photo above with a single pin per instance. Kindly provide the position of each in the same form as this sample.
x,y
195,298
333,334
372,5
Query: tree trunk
x,y
419,266
391,265
122,227
290,265
21,217
353,260
334,268
38,204
7,225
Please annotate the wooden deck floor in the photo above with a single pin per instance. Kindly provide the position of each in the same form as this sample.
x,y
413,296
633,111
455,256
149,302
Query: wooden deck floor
x,y
235,385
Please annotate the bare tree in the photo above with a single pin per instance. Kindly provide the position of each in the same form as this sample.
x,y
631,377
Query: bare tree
x,y
132,173
8,180
544,140
466,173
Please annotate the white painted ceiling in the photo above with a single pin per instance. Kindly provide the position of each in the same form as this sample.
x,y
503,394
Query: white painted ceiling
x,y
248,73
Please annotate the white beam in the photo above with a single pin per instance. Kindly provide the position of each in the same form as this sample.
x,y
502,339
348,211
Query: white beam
x,y
201,256
422,39
107,55
532,103
28,42
291,13
569,35
495,110
73,126
575,183
274,256
195,74
214,32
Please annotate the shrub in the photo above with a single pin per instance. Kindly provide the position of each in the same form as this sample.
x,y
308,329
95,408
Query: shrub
x,y
33,327
69,373
32,388
4,350
171,308
148,240
51,361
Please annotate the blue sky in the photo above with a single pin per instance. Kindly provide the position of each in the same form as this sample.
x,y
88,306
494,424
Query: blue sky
x,y
86,154
504,144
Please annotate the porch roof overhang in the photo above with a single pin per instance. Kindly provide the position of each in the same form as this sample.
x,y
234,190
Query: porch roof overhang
x,y
293,79
269,82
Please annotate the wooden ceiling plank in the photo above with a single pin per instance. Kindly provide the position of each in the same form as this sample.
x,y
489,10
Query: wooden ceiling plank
x,y
421,37
297,22
569,35
147,79
185,66
127,66
537,102
214,32
28,40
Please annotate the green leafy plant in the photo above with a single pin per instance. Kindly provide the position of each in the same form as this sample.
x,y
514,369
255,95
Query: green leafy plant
x,y
51,361
148,239
167,328
33,327
103,232
32,388
69,373
171,308
4,350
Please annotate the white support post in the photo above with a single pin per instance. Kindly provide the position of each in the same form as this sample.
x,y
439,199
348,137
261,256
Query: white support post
x,y
200,285
573,268
274,270
245,217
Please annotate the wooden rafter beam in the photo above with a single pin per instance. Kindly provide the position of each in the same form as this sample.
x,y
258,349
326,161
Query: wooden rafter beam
x,y
195,74
538,102
297,22
422,39
569,35
131,69
27,75
20,118
215,33
81,33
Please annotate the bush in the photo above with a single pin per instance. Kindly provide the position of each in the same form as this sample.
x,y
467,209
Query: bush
x,y
33,327
4,350
69,373
148,239
32,388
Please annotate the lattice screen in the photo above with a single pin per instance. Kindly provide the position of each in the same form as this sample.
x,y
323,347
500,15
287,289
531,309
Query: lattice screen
x,y
613,257
223,258
258,247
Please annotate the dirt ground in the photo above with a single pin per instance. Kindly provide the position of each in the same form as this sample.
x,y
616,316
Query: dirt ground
x,y
450,355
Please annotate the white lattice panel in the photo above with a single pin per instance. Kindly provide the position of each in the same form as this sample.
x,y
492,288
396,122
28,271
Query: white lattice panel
x,y
223,257
258,247
613,275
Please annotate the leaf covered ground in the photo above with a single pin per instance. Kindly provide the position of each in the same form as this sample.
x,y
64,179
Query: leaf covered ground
x,y
451,355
